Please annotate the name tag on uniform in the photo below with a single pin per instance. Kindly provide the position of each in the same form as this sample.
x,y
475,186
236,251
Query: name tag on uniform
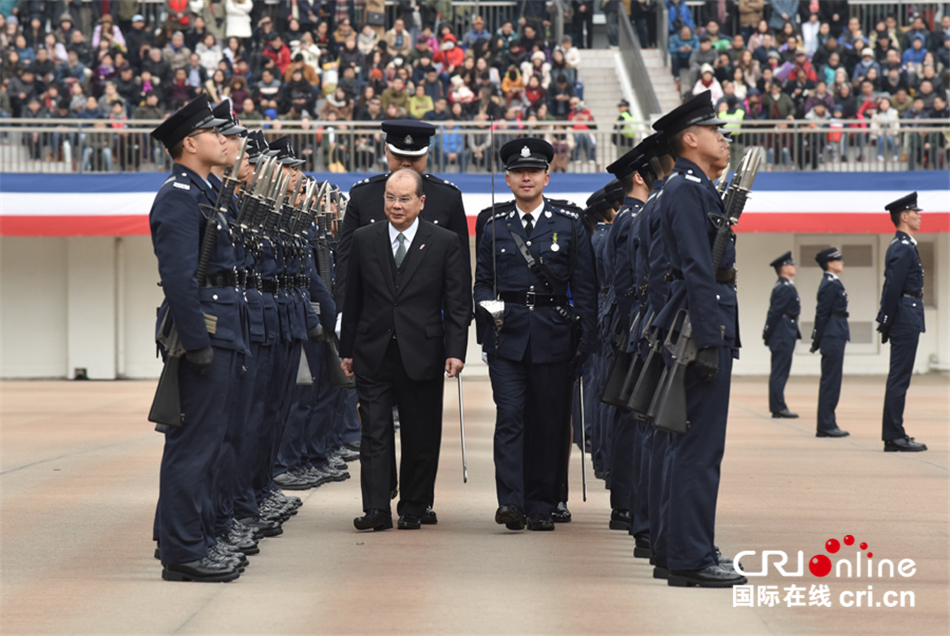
x,y
183,186
692,178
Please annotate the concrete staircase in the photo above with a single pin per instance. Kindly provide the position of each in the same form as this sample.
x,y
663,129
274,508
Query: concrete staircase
x,y
663,83
602,91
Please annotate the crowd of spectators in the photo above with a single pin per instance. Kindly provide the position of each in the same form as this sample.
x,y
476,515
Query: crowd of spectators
x,y
810,61
296,61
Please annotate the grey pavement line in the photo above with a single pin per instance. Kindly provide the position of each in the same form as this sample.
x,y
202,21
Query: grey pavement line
x,y
200,609
53,459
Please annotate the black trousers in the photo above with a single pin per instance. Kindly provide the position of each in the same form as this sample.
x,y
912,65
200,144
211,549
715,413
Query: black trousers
x,y
903,353
829,390
420,431
781,366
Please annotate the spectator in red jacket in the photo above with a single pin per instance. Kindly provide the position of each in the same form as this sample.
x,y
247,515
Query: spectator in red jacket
x,y
276,51
450,55
801,62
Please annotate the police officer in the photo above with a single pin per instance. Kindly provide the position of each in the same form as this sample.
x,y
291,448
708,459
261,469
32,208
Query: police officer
x,y
543,253
407,146
709,294
781,332
205,313
830,335
901,319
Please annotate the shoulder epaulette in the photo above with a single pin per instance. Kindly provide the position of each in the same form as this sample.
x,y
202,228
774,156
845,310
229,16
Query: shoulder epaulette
x,y
567,205
375,178
435,179
567,213
505,207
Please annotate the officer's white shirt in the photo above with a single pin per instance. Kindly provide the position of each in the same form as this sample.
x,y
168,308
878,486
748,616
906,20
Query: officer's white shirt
x,y
535,213
410,234
834,276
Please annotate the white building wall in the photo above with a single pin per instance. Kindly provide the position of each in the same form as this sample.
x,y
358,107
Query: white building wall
x,y
90,303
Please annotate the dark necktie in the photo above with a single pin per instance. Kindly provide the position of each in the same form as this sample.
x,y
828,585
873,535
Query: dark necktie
x,y
528,225
401,250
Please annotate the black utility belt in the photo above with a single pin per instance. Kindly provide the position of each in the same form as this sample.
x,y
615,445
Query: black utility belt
x,y
224,279
919,293
790,316
723,276
252,281
531,299
270,285
288,281
840,314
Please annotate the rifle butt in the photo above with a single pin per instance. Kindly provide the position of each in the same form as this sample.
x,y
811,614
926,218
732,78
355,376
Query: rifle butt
x,y
615,381
669,403
647,383
166,405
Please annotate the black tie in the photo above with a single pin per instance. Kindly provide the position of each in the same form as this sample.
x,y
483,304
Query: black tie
x,y
528,225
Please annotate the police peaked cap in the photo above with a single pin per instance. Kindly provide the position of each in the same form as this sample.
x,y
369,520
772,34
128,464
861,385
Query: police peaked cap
x,y
225,111
285,152
634,159
784,259
526,152
257,146
195,115
906,202
828,254
598,195
614,192
699,111
599,209
408,137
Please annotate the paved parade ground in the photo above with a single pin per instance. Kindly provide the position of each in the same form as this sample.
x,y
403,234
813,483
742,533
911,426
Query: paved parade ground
x,y
80,477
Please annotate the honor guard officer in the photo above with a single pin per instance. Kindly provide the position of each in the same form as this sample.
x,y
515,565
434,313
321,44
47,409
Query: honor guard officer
x,y
206,316
707,291
901,319
534,256
627,436
781,331
407,146
830,336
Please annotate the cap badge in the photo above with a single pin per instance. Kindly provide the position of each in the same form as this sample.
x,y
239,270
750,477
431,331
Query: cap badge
x,y
525,152
408,140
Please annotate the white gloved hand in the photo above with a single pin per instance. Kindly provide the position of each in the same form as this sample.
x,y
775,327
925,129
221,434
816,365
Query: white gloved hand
x,y
339,323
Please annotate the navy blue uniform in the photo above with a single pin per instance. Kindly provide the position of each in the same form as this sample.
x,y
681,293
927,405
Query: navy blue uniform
x,y
902,321
185,514
596,413
780,333
830,335
694,458
531,365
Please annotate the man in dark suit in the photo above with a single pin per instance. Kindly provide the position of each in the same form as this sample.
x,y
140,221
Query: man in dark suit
x,y
830,336
781,331
405,321
901,319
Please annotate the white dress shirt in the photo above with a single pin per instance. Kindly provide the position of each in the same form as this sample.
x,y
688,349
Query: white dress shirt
x,y
409,233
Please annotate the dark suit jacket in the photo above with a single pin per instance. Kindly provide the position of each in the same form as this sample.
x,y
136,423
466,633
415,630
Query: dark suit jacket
x,y
426,302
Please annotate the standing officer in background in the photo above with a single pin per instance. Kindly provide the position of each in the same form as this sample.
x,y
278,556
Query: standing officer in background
x,y
901,319
542,253
407,146
689,199
207,318
405,321
830,336
781,332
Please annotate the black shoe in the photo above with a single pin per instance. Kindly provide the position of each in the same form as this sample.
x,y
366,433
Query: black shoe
x,y
290,481
510,515
429,517
561,514
831,432
540,522
642,548
903,445
620,519
712,576
201,571
374,519
786,414
409,522
266,528
661,573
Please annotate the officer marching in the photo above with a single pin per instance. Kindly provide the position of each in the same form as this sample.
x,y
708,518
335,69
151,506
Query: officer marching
x,y
901,319
529,259
830,336
781,331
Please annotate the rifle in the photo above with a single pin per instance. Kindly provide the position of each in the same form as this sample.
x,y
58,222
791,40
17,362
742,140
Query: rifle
x,y
644,375
669,402
613,388
228,184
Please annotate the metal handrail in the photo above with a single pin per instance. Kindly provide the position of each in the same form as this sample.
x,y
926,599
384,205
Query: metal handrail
x,y
637,71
